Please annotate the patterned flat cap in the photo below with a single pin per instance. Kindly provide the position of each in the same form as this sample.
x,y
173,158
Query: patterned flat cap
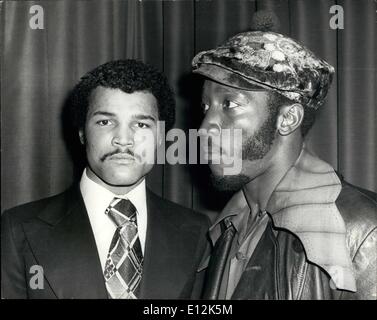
x,y
268,60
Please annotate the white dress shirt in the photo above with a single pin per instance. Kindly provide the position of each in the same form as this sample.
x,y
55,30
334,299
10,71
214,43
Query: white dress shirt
x,y
97,198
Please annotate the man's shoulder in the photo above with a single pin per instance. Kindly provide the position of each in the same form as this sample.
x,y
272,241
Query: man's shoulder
x,y
358,208
176,212
357,205
31,210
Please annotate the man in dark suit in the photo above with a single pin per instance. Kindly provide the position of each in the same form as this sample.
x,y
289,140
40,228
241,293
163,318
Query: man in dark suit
x,y
109,236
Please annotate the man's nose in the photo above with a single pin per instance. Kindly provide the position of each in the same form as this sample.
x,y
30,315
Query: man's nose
x,y
212,122
123,136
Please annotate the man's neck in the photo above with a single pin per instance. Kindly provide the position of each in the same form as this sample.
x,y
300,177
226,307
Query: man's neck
x,y
259,190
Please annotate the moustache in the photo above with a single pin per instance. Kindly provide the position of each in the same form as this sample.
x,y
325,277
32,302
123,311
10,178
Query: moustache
x,y
118,152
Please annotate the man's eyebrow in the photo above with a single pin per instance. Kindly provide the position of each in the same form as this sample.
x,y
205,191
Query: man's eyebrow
x,y
136,116
144,117
103,113
205,97
235,94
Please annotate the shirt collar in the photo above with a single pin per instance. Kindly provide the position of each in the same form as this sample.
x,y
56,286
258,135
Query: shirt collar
x,y
101,197
236,210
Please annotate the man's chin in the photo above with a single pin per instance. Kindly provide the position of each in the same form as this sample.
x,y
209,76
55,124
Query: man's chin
x,y
121,177
122,181
229,183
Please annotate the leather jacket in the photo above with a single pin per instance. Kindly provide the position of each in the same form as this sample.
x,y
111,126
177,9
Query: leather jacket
x,y
280,255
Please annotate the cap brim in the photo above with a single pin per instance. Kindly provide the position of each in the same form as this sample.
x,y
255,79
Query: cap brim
x,y
228,78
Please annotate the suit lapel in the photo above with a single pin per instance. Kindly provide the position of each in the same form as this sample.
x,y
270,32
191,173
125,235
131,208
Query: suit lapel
x,y
64,245
164,270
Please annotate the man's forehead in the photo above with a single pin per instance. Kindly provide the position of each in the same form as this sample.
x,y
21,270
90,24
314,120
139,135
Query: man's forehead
x,y
115,100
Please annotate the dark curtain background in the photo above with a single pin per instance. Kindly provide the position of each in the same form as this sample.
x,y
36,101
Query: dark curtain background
x,y
39,67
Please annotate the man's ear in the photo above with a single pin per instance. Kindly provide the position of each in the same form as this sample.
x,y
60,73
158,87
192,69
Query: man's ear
x,y
290,118
82,136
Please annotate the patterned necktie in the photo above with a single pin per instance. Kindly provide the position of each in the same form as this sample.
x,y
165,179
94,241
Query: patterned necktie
x,y
124,263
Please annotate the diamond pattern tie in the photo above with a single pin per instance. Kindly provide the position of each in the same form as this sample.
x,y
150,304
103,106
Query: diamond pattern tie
x,y
124,263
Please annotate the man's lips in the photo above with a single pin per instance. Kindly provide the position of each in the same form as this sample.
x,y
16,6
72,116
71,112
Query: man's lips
x,y
123,157
213,153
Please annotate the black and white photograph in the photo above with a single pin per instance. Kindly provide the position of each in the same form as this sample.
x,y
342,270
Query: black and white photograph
x,y
191,150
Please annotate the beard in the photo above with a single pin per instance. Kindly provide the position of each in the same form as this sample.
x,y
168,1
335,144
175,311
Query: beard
x,y
257,146
254,148
229,183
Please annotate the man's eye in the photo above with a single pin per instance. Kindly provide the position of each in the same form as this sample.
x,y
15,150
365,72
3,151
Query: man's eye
x,y
230,104
142,125
104,122
205,107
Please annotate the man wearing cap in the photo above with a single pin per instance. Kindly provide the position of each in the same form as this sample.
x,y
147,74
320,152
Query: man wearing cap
x,y
294,229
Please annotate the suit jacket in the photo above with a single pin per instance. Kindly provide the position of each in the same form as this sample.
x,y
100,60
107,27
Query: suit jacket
x,y
55,233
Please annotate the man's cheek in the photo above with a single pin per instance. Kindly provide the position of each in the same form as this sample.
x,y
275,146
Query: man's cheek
x,y
94,152
145,146
232,143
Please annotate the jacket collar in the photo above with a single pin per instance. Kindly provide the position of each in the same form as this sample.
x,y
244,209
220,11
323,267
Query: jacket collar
x,y
304,203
